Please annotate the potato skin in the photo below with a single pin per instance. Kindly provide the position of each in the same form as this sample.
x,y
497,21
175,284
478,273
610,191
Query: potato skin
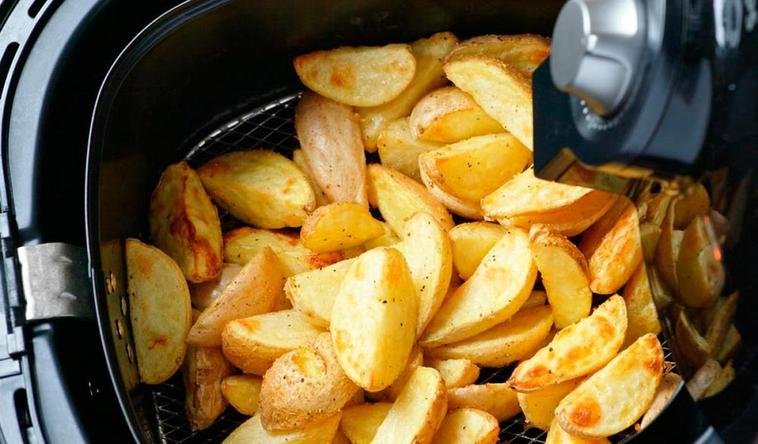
x,y
204,370
184,223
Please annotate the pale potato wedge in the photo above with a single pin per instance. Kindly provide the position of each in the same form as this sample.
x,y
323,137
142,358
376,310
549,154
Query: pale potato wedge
x,y
455,372
243,392
313,292
556,435
498,400
471,241
252,431
429,53
242,244
565,275
415,360
259,187
330,138
537,298
504,92
693,202
418,411
204,370
256,289
299,158
699,271
539,407
253,343
461,207
359,423
184,223
303,387
373,322
449,115
338,226
513,340
386,239
525,52
426,249
358,76
723,379
668,387
667,250
399,148
641,314
649,236
399,197
496,290
160,310
575,351
703,378
732,342
469,426
203,294
617,395
691,347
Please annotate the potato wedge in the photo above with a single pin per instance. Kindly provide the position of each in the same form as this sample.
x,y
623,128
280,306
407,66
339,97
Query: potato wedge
x,y
242,244
358,76
501,90
253,343
330,138
513,340
184,223
373,323
203,294
470,426
565,275
667,250
641,314
299,158
471,242
498,400
496,290
160,310
691,347
386,239
699,271
256,289
449,115
429,53
313,292
415,360
340,438
418,411
539,407
693,202
537,298
359,423
703,378
525,52
732,342
575,351
666,390
556,435
455,372
304,386
338,226
259,187
463,208
723,379
252,431
243,392
399,148
399,197
204,370
649,236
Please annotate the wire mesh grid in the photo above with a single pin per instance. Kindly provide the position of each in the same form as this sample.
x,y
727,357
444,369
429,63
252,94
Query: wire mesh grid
x,y
271,126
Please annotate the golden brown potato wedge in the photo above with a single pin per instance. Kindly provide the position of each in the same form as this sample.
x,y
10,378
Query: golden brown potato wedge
x,y
184,223
256,289
399,197
723,379
299,158
470,426
259,187
358,76
304,386
575,351
455,372
564,274
373,323
649,236
160,310
359,423
504,92
418,411
641,314
498,400
666,390
693,202
699,271
243,392
617,395
449,115
525,52
692,348
399,148
703,378
242,244
539,407
253,343
416,359
313,292
204,370
330,138
340,438
338,226
429,53
556,435
471,242
205,293
513,340
496,290
252,431
461,207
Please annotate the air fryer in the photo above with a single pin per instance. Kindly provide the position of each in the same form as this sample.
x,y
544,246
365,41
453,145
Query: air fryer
x,y
100,96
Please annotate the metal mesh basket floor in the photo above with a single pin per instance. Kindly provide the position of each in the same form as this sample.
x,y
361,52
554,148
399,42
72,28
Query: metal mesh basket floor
x,y
271,126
